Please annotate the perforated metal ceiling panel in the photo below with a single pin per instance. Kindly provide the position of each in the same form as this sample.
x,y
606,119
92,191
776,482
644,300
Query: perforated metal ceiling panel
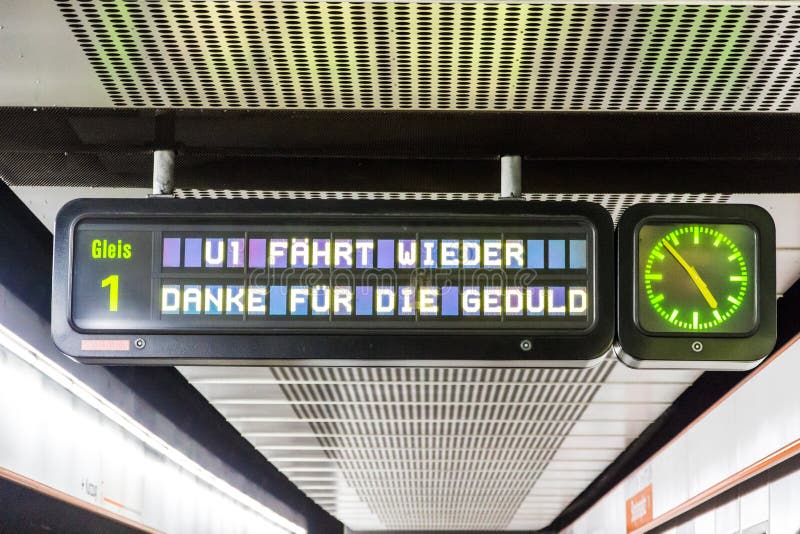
x,y
614,203
680,56
433,448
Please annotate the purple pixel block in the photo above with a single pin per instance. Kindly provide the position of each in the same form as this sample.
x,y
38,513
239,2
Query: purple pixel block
x,y
364,300
385,254
449,300
171,256
257,253
192,252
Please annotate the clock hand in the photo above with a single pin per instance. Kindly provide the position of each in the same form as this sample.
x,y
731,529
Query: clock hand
x,y
701,285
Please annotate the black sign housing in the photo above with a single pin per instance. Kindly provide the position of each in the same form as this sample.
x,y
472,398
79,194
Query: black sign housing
x,y
696,286
168,281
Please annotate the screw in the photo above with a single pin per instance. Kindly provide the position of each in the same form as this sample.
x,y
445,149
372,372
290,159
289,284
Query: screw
x,y
697,346
526,345
139,343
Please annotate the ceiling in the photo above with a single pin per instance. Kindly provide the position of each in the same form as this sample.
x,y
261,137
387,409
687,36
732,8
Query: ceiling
x,y
440,449
708,55
398,99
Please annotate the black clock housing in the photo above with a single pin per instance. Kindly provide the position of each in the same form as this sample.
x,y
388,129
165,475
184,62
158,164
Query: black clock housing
x,y
716,348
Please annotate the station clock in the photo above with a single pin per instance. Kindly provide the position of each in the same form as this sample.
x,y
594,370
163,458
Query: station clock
x,y
696,286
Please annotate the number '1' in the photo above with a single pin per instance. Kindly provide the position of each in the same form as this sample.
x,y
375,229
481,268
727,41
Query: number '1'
x,y
112,283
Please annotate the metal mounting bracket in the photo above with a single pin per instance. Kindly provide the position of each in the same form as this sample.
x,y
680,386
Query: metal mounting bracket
x,y
163,174
511,177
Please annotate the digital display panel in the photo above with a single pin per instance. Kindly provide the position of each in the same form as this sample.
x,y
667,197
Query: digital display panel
x,y
333,282
697,277
306,275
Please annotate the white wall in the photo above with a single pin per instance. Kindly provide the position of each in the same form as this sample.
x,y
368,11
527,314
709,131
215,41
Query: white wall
x,y
772,508
758,419
49,434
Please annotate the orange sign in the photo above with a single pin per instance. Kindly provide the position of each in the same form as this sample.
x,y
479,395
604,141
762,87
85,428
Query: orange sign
x,y
639,509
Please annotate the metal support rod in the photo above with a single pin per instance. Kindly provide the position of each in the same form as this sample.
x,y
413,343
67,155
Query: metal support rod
x,y
163,172
510,176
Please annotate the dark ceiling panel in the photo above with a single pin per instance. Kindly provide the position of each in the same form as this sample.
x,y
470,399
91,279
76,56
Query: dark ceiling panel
x,y
404,151
378,134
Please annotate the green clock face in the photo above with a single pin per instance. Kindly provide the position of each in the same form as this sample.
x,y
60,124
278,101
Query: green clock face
x,y
696,278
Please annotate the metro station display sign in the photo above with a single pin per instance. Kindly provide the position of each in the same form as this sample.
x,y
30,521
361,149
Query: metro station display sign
x,y
223,281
